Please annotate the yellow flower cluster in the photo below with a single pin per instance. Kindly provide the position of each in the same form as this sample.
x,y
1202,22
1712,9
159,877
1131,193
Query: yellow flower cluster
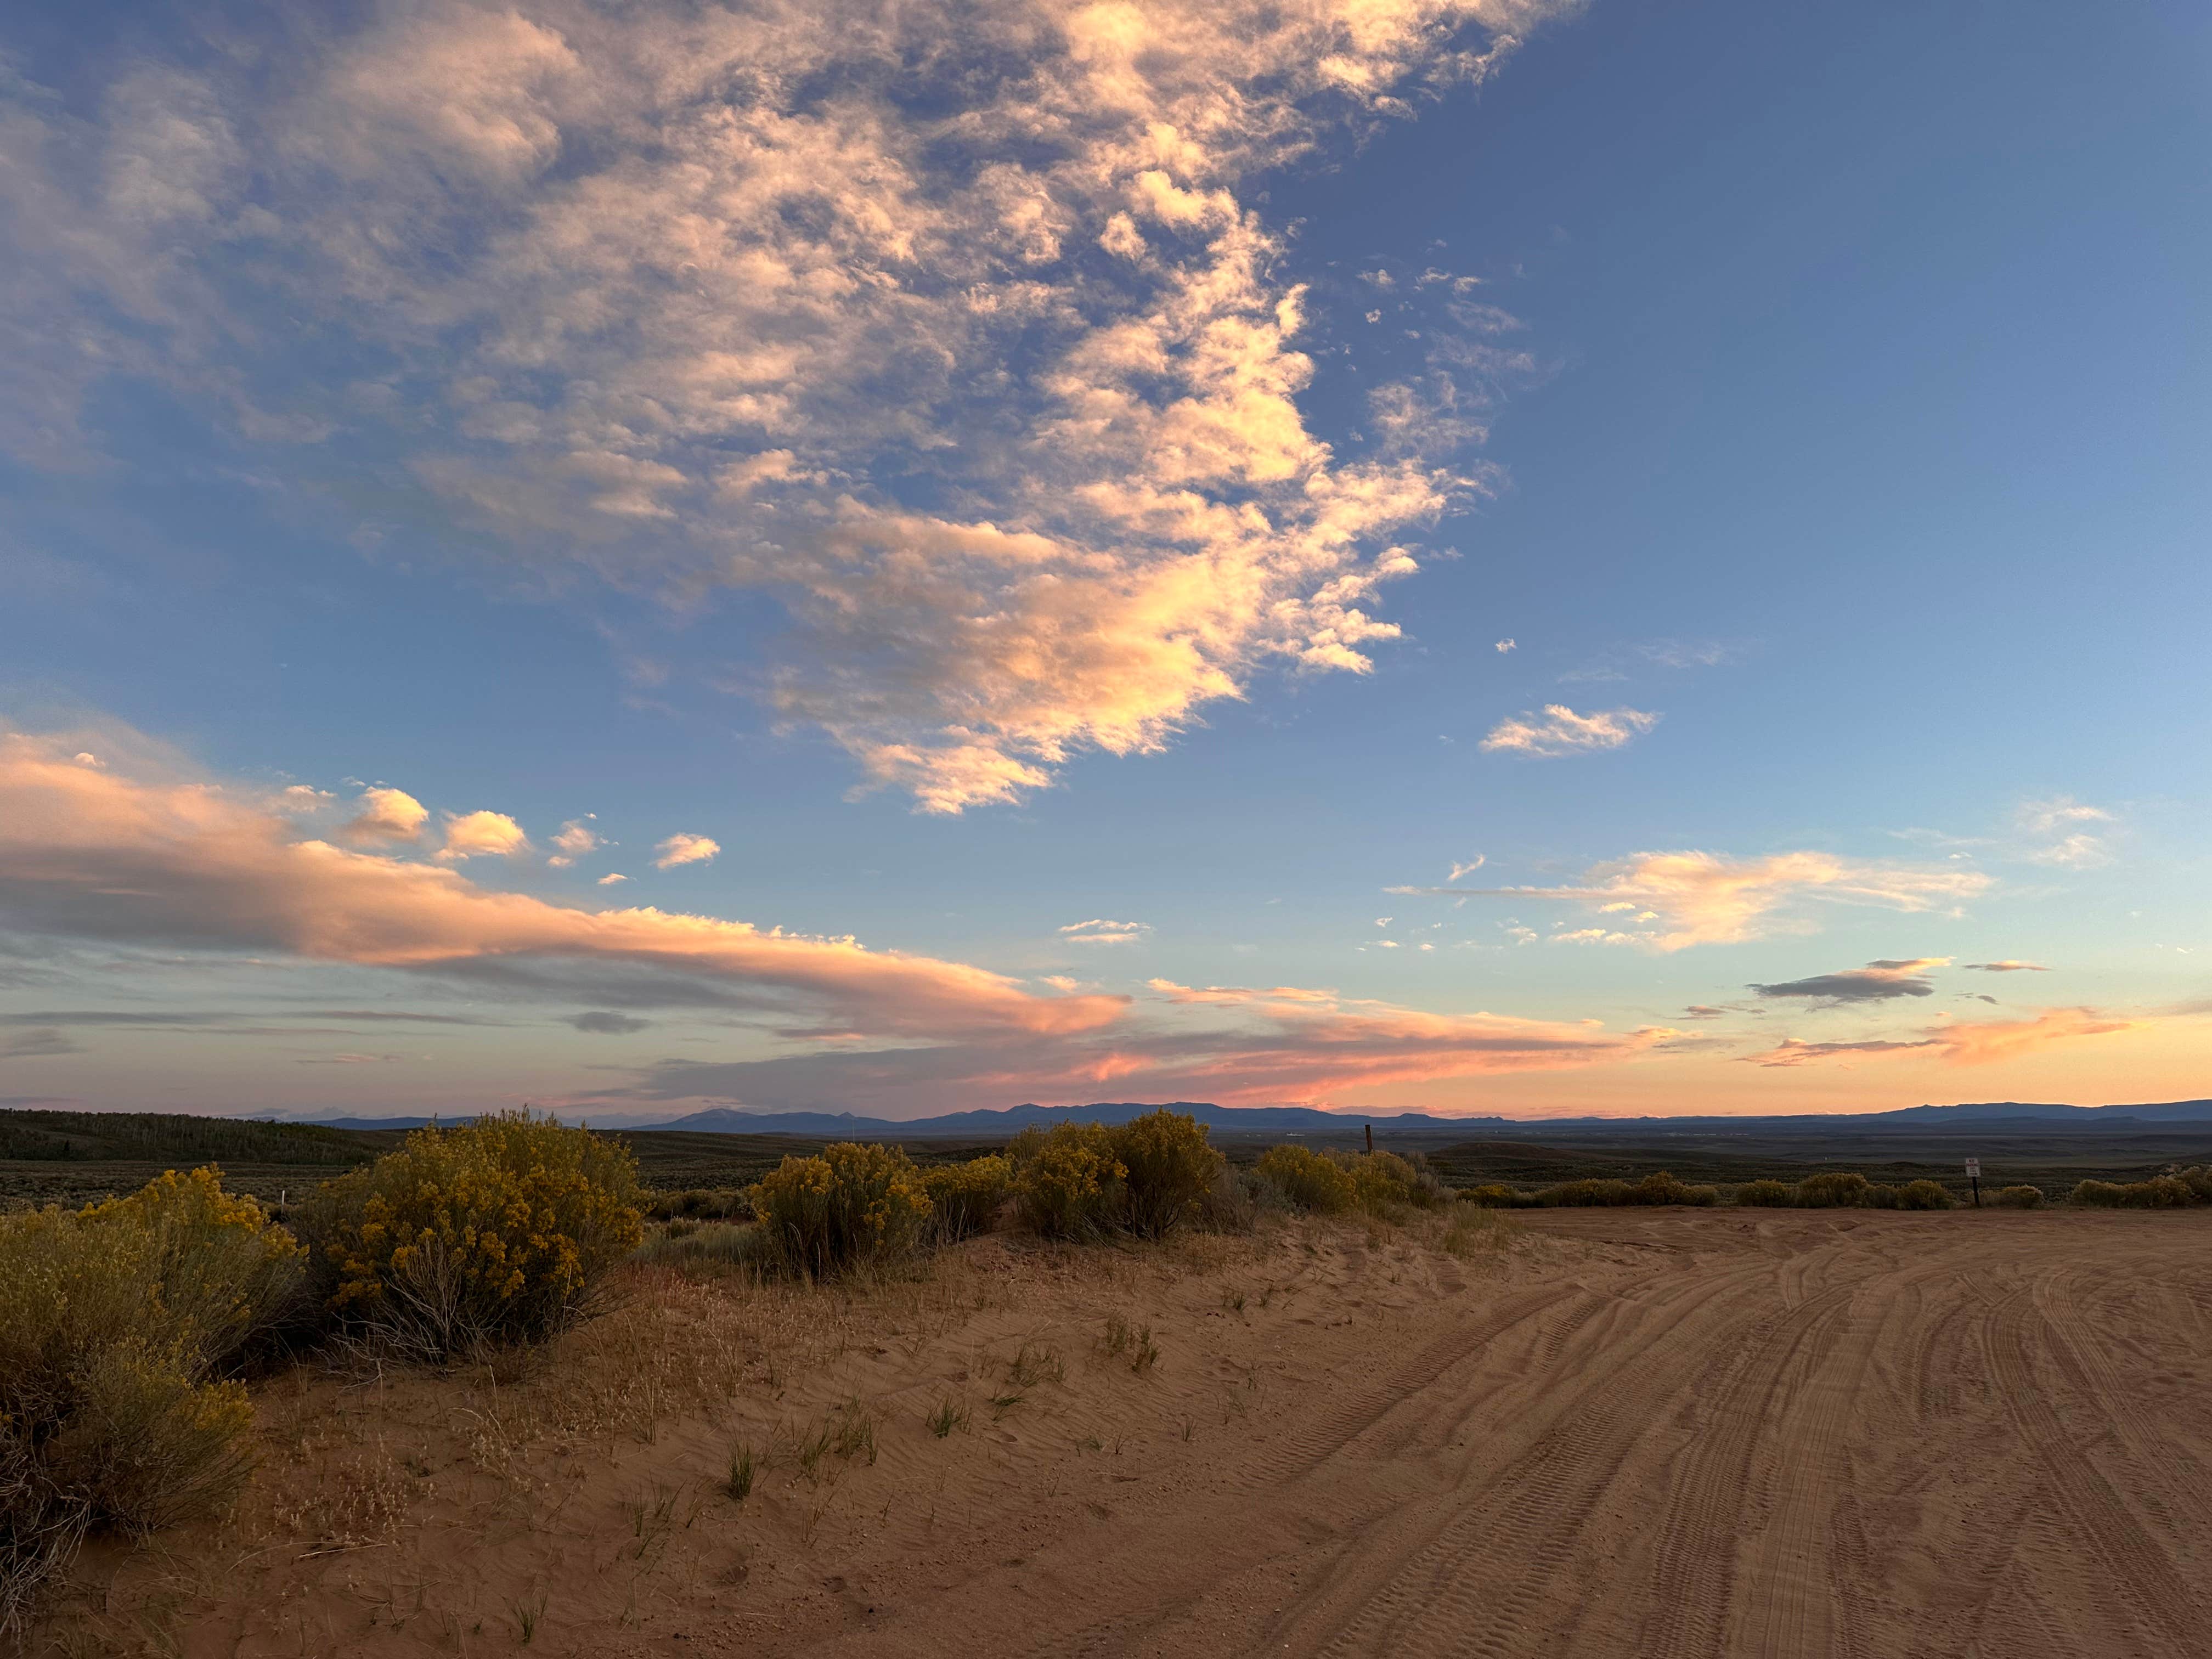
x,y
852,1204
490,1231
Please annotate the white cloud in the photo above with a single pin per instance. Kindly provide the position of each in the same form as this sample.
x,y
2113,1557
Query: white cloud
x,y
1467,868
1560,730
1101,930
684,848
677,316
2055,829
610,880
1504,646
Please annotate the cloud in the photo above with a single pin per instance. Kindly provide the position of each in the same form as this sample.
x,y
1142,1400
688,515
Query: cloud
x,y
1560,730
609,879
690,297
2008,966
575,840
682,848
383,816
1504,646
1101,930
2053,825
1705,1011
184,863
1878,981
474,834
609,1025
1967,1043
37,1043
1467,868
1234,1044
1700,898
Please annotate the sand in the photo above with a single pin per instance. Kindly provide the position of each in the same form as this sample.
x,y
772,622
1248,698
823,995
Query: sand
x,y
1662,1432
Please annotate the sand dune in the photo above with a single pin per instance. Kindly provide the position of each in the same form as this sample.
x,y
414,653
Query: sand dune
x,y
1635,1433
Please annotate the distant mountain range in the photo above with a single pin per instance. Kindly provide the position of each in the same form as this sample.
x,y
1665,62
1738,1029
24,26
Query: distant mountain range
x,y
1306,1120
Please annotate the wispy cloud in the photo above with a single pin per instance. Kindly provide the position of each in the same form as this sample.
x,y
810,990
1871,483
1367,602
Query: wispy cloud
x,y
1967,1043
1100,930
2060,832
685,293
1670,901
2008,966
1560,730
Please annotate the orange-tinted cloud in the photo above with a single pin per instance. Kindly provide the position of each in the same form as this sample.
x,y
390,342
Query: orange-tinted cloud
x,y
102,855
1700,898
1976,1043
1560,730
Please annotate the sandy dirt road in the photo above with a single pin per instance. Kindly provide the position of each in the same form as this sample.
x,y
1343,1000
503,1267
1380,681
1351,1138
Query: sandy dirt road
x,y
1637,1433
1799,1435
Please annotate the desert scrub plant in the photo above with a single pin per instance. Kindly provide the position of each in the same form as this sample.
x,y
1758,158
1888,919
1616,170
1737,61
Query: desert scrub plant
x,y
1475,1229
744,1466
1767,1195
949,1414
706,1247
1309,1181
1576,1194
1069,1183
1922,1195
1167,1168
1661,1188
2020,1198
1492,1194
115,1325
1383,1180
849,1207
496,1231
965,1198
1831,1188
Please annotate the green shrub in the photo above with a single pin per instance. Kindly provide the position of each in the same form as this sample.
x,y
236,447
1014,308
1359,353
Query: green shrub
x,y
1831,1188
1587,1194
495,1231
116,1323
1492,1194
1069,1183
2020,1198
965,1197
2198,1180
1881,1197
849,1207
1767,1195
1168,1168
1923,1195
1664,1188
698,1204
1307,1180
2161,1192
1383,1180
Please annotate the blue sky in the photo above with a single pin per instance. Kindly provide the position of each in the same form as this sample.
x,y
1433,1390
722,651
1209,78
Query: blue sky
x,y
976,528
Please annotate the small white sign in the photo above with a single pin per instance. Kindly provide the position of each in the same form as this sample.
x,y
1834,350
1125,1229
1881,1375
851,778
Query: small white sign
x,y
1974,1168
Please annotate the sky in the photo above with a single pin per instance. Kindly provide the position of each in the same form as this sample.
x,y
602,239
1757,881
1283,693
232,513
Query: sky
x,y
1505,557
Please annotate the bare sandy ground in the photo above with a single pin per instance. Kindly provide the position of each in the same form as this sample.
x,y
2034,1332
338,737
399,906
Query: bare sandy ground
x,y
1669,1432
